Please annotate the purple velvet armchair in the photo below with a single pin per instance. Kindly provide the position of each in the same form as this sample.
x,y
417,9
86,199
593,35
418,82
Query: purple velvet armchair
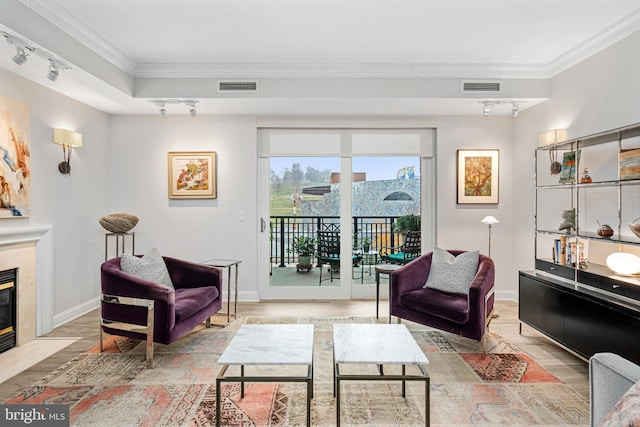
x,y
466,315
145,310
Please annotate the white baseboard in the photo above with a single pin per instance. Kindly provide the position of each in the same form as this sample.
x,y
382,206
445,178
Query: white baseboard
x,y
507,295
75,312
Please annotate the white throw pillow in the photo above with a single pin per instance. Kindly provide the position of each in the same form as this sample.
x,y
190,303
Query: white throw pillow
x,y
450,273
150,267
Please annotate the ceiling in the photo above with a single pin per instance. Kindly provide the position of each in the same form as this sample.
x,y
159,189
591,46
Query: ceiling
x,y
177,48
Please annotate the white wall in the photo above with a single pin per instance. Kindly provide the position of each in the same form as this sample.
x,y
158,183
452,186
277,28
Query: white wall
x,y
189,229
72,203
459,226
197,229
601,93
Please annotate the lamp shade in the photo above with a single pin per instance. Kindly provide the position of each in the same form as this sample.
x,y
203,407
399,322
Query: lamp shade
x,y
624,263
67,137
489,220
551,137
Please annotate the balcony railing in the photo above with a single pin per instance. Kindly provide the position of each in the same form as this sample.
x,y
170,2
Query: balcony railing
x,y
284,228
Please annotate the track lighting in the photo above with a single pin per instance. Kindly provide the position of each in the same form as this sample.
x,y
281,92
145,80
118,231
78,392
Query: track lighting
x,y
23,50
486,107
514,109
192,107
54,72
21,56
162,103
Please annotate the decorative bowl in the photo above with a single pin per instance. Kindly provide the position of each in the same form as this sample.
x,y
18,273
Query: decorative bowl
x,y
605,231
118,223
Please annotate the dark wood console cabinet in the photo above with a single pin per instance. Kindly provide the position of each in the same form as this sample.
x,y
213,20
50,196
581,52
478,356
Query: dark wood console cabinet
x,y
578,317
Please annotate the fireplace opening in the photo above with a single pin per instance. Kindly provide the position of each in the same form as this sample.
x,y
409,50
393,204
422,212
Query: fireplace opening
x,y
8,285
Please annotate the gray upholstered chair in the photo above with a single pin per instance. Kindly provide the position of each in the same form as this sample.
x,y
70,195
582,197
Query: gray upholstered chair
x,y
610,377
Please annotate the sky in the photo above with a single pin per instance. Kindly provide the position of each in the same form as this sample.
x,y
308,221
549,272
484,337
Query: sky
x,y
376,168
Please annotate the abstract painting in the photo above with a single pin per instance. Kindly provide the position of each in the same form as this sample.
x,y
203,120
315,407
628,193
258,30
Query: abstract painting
x,y
192,175
477,176
15,158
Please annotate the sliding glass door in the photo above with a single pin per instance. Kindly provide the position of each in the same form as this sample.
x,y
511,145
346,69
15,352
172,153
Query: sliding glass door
x,y
327,192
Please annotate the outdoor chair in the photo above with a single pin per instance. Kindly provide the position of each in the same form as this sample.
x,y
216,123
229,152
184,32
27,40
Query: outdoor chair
x,y
329,254
464,312
408,251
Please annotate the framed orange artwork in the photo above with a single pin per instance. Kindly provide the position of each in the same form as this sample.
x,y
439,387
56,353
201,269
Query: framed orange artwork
x,y
192,175
477,176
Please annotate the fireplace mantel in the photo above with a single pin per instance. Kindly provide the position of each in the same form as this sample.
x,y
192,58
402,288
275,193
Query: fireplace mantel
x,y
42,237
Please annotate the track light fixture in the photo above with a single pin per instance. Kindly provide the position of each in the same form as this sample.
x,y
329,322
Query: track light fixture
x,y
488,105
162,105
515,109
24,50
21,56
54,72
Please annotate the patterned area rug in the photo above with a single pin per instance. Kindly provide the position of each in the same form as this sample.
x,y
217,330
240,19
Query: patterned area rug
x,y
113,388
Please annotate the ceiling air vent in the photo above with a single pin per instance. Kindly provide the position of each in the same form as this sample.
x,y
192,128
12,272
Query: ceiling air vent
x,y
238,86
480,86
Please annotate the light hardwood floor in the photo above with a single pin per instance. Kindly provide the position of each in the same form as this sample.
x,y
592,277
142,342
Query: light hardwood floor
x,y
561,363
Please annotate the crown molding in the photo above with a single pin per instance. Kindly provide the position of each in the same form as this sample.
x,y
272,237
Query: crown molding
x,y
55,13
613,34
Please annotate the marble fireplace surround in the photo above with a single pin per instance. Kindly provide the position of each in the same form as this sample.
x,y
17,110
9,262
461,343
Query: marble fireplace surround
x,y
30,249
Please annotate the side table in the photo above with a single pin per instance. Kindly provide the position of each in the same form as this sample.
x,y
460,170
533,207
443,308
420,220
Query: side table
x,y
383,269
227,264
120,247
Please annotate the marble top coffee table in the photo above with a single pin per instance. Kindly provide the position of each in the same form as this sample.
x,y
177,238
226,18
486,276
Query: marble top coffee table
x,y
268,345
380,345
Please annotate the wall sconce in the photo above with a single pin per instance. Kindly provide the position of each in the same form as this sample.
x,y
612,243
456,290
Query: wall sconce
x,y
552,136
624,264
67,139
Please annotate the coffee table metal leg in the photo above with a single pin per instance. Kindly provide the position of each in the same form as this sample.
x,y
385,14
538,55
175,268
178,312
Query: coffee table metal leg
x,y
218,384
404,388
427,403
337,390
241,381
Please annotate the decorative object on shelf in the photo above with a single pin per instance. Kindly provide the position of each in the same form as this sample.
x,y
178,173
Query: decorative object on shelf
x,y
630,164
15,158
635,227
489,220
555,167
569,164
192,175
477,176
624,264
604,230
118,223
586,178
568,220
68,139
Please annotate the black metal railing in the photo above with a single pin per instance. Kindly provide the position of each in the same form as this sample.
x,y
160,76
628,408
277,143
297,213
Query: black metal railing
x,y
378,229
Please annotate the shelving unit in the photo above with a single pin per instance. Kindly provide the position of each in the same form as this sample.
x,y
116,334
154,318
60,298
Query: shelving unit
x,y
584,306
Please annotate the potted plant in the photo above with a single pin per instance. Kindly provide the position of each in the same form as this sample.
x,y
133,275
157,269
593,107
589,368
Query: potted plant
x,y
407,223
305,247
366,244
